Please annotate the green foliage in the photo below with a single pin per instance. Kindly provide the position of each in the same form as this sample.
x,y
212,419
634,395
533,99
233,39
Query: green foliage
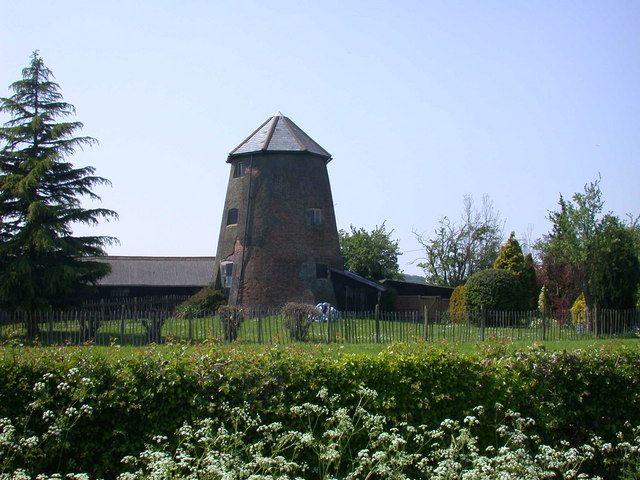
x,y
579,311
231,318
203,302
587,252
297,318
493,290
457,309
458,250
41,262
510,257
373,255
122,397
614,269
529,281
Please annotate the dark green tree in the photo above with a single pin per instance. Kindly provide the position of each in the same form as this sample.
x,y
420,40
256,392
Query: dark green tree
x,y
373,255
530,283
42,264
582,244
511,259
492,290
614,273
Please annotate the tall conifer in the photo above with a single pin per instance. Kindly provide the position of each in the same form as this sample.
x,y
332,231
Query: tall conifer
x,y
40,193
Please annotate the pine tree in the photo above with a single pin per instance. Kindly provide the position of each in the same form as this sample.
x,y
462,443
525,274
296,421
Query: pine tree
x,y
41,261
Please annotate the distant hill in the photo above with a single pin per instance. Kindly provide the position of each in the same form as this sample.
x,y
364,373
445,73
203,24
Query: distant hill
x,y
414,278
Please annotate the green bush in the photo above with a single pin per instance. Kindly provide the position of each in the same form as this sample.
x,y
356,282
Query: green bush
x,y
206,301
298,318
493,289
111,401
231,319
457,310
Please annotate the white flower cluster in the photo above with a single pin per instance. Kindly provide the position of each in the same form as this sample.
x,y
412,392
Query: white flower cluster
x,y
330,441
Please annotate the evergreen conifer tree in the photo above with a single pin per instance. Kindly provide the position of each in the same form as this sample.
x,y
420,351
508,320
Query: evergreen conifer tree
x,y
510,257
41,261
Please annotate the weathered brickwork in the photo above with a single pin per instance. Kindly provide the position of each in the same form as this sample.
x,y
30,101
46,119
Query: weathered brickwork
x,y
274,248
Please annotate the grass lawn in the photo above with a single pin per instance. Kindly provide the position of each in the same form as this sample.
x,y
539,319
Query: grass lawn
x,y
362,332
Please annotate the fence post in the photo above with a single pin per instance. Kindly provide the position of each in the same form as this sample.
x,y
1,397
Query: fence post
x,y
377,323
595,320
259,326
190,321
426,324
544,326
123,314
482,322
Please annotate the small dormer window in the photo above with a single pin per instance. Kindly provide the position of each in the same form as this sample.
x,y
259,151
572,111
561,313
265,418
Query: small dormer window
x,y
232,216
313,216
239,169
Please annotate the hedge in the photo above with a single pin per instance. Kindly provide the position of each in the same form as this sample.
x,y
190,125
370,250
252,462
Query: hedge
x,y
132,394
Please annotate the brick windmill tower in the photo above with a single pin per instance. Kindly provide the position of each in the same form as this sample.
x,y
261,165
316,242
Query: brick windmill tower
x,y
278,239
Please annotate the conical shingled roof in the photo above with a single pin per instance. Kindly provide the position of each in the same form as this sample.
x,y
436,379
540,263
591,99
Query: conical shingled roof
x,y
279,134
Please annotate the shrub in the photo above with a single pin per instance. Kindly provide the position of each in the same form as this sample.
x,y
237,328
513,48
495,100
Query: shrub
x,y
231,319
579,311
544,303
298,318
205,301
493,289
457,311
111,401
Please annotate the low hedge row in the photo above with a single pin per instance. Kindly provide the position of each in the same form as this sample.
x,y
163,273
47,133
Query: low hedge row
x,y
131,394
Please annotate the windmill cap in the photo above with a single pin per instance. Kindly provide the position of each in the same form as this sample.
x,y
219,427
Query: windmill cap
x,y
279,134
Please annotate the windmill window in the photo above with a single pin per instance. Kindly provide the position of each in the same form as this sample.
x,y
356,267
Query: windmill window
x,y
226,274
232,216
239,169
314,216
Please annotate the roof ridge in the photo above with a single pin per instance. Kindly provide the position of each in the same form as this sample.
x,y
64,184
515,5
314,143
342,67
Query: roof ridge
x,y
294,134
251,135
272,129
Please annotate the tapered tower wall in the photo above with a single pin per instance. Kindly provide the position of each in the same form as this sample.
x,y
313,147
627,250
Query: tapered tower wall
x,y
285,240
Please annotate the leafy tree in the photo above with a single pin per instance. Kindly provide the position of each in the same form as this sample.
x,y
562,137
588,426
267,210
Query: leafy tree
x,y
530,283
457,250
372,254
582,244
41,261
614,269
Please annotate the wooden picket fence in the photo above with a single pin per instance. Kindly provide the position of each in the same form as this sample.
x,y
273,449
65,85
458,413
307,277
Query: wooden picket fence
x,y
137,324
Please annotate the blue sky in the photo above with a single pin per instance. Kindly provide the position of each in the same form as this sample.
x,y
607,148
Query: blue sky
x,y
419,103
